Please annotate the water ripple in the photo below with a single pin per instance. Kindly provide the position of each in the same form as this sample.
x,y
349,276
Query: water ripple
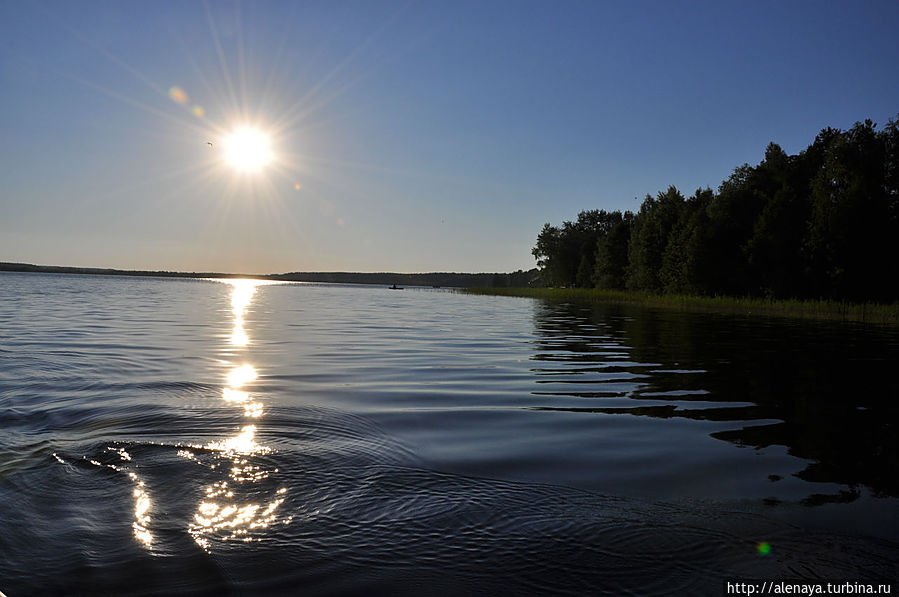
x,y
161,437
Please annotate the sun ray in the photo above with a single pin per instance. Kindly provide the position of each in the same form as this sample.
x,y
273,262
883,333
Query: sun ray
x,y
106,54
256,184
221,56
268,85
199,74
185,172
131,101
359,50
241,59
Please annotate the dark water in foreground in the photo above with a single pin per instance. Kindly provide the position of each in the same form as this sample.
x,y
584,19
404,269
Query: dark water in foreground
x,y
166,436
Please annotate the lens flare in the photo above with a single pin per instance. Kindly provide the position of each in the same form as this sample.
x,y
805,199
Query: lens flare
x,y
178,95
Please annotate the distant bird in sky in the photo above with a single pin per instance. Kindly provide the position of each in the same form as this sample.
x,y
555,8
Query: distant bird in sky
x,y
209,143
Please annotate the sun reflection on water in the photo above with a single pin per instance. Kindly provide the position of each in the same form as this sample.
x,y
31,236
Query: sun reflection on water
x,y
239,335
241,376
142,504
241,295
252,410
222,513
242,444
141,523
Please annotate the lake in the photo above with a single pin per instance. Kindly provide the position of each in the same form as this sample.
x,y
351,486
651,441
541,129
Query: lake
x,y
167,436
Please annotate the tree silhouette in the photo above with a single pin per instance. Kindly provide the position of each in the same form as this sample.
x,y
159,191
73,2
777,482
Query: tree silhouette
x,y
820,224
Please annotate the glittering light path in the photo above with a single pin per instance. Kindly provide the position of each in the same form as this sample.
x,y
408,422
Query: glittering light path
x,y
230,509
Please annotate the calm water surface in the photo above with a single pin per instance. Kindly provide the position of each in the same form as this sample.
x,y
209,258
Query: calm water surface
x,y
173,436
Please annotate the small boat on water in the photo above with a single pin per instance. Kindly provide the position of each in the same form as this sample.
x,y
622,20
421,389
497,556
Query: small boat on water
x,y
394,287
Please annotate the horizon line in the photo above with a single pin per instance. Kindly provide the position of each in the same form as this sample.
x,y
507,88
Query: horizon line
x,y
11,265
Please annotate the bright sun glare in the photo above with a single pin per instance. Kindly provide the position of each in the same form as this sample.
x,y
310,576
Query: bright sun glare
x,y
248,149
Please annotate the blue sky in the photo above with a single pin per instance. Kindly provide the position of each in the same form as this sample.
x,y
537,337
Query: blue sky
x,y
423,136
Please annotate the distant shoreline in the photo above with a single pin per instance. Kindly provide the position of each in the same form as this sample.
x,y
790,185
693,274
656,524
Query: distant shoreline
x,y
441,279
828,310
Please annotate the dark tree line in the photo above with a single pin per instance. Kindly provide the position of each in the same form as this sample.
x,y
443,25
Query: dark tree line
x,y
820,224
517,279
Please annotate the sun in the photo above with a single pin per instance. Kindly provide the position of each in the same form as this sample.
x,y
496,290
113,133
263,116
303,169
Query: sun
x,y
248,149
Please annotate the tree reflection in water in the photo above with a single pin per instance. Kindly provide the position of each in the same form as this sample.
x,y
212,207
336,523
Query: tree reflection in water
x,y
830,388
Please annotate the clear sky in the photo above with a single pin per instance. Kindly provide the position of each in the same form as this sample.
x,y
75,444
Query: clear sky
x,y
405,136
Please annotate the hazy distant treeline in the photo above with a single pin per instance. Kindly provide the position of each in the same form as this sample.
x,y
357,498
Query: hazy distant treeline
x,y
519,278
450,279
820,224
8,266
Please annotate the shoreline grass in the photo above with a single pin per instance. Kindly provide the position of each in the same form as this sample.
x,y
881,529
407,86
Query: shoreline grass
x,y
827,310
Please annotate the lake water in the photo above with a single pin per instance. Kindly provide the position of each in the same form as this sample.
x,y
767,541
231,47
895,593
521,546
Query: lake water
x,y
175,436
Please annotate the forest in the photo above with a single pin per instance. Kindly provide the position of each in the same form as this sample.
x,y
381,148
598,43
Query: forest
x,y
823,224
515,279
